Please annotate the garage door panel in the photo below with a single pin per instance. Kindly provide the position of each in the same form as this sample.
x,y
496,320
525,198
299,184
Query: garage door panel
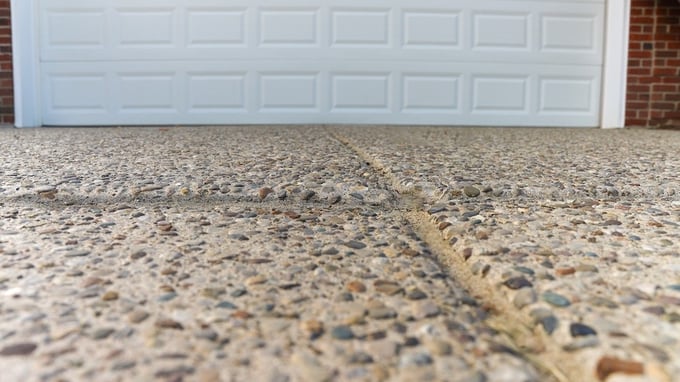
x,y
361,92
500,94
285,92
219,27
431,93
288,27
352,27
204,92
507,62
147,92
216,92
430,28
505,31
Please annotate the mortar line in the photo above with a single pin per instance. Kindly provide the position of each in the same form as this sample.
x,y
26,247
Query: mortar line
x,y
537,347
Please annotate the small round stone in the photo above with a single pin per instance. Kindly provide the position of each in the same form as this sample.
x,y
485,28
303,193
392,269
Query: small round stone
x,y
415,293
18,349
555,299
356,287
342,332
137,316
415,359
471,191
517,283
110,296
579,330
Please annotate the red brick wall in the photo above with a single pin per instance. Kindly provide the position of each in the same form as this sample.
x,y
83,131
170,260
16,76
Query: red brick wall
x,y
6,81
653,96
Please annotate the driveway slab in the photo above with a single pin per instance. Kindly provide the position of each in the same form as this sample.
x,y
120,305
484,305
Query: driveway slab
x,y
159,254
578,230
348,253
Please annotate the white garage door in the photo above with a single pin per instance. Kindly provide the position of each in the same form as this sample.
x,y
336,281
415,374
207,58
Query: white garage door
x,y
458,62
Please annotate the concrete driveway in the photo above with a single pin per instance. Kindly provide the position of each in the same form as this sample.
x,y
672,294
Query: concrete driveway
x,y
339,253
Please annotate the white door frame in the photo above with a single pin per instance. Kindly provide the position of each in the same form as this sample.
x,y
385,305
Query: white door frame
x,y
27,96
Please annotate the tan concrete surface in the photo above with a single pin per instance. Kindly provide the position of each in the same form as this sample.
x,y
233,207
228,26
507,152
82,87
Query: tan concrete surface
x,y
339,253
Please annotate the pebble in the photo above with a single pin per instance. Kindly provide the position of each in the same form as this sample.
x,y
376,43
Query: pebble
x,y
123,365
342,332
604,302
387,287
137,316
565,271
381,313
18,349
166,297
77,253
102,333
517,283
586,268
167,323
360,358
256,280
415,359
356,287
415,293
471,191
355,244
110,296
607,366
579,330
175,373
225,305
263,192
555,299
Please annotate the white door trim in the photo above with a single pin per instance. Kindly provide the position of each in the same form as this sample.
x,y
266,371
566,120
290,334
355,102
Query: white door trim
x,y
26,60
615,75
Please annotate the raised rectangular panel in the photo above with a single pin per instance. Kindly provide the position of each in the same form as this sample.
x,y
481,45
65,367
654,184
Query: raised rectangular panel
x,y
501,30
75,29
360,91
216,27
428,29
363,27
146,92
566,95
431,93
217,91
78,92
499,94
568,33
146,27
289,91
283,27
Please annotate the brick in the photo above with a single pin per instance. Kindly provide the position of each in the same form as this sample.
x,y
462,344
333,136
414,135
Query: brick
x,y
665,72
671,97
639,71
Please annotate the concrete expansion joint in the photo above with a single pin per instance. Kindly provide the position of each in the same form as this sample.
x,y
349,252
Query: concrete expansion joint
x,y
533,345
533,341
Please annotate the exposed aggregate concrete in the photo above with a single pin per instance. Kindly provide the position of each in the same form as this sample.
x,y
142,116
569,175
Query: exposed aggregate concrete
x,y
579,230
275,254
261,254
